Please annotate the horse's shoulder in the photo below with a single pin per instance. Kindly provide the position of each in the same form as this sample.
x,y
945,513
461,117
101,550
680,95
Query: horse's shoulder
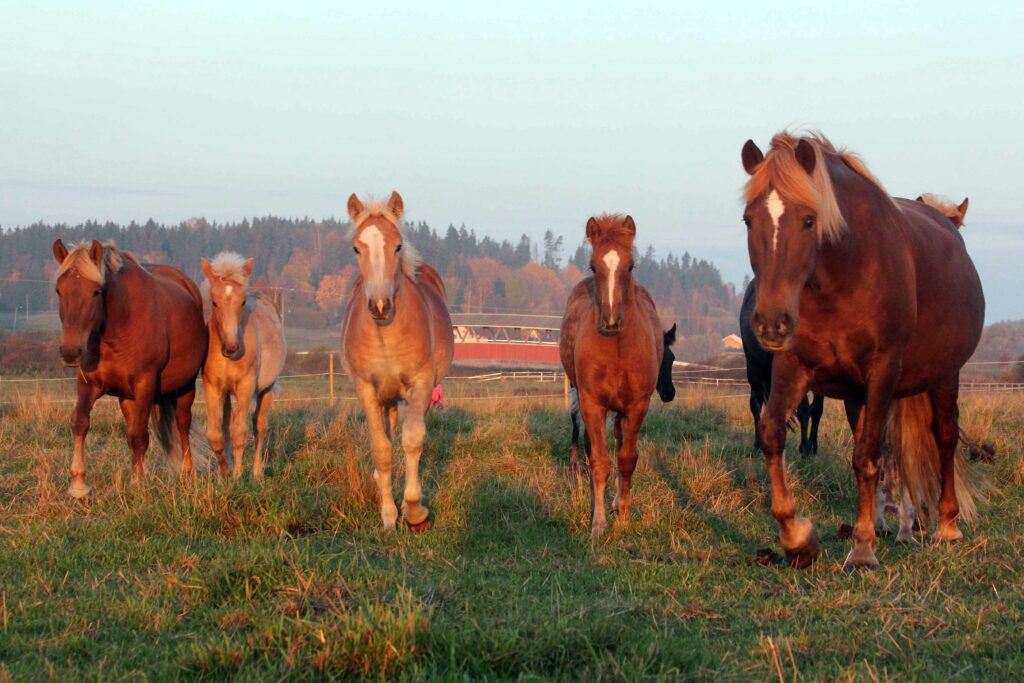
x,y
426,275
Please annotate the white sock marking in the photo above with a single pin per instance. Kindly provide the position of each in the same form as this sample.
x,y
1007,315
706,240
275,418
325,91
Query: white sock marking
x,y
775,209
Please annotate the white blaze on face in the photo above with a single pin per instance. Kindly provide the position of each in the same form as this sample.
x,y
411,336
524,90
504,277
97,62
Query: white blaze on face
x,y
611,259
227,289
374,240
775,209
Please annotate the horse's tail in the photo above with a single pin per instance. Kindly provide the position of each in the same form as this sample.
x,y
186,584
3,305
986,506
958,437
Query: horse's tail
x,y
165,426
917,459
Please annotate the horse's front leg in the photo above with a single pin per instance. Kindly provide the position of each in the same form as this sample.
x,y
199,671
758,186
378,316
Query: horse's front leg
x,y
790,381
414,431
866,452
136,413
245,391
87,396
627,433
216,400
380,446
594,414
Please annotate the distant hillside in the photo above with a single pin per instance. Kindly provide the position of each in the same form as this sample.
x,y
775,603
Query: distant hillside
x,y
310,264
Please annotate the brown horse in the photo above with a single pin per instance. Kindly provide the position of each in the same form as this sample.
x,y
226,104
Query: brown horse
x,y
245,356
136,333
865,297
397,344
611,347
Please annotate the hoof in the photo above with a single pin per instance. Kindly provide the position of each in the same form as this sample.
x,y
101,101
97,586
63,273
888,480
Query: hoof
x,y
905,537
597,530
422,526
892,509
860,558
803,548
79,490
948,534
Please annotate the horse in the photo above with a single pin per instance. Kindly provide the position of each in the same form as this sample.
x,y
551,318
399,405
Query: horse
x,y
665,388
759,377
245,355
134,331
866,297
612,348
397,345
956,213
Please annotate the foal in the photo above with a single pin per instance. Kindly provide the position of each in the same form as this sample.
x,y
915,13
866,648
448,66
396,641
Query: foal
x,y
245,355
611,348
397,344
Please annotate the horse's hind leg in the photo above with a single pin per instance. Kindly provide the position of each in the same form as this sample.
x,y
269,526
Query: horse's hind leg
x,y
136,415
627,432
260,422
183,420
80,428
803,416
414,431
380,446
390,413
947,434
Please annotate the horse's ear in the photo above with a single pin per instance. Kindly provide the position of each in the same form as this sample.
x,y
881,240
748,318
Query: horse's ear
x,y
96,252
920,198
60,252
752,156
630,225
806,156
355,207
592,228
670,335
207,270
395,205
247,266
962,209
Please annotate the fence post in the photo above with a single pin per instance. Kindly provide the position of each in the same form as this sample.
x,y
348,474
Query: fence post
x,y
330,373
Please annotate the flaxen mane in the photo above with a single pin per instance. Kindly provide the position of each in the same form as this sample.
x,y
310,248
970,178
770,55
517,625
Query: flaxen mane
x,y
411,258
227,265
79,261
782,172
945,206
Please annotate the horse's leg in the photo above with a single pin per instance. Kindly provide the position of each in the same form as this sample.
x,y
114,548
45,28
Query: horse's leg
x,y
945,416
217,401
380,446
907,515
260,422
594,415
87,396
414,431
627,428
803,416
183,420
574,445
136,416
789,384
866,450
756,402
817,410
618,449
245,391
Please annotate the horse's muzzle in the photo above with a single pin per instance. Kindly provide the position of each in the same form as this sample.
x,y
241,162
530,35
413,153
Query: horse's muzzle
x,y
382,311
774,332
71,357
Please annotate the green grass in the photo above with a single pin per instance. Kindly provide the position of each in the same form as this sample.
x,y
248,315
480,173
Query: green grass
x,y
216,579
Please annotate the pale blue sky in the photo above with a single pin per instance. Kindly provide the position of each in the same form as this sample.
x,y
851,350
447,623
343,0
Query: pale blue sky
x,y
509,119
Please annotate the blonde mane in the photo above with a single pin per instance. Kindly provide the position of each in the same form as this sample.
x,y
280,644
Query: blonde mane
x,y
227,265
781,171
79,261
411,258
946,206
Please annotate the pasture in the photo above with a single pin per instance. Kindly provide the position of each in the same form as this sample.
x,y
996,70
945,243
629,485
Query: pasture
x,y
295,579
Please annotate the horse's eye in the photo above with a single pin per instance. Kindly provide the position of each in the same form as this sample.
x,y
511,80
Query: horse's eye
x,y
592,269
215,304
398,248
746,222
96,292
355,249
58,292
631,267
808,222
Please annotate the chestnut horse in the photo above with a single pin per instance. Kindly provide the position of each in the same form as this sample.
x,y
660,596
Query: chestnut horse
x,y
135,332
246,354
397,344
956,213
611,347
759,377
860,296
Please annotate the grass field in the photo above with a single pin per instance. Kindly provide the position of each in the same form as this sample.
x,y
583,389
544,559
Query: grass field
x,y
294,578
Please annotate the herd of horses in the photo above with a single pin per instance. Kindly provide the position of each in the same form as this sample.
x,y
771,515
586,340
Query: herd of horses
x,y
857,296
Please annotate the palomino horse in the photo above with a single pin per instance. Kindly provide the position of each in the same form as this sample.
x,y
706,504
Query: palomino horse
x,y
136,333
860,296
956,213
759,377
244,358
397,344
611,347
666,391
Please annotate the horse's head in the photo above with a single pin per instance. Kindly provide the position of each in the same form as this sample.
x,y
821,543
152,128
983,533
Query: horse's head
x,y
790,210
611,262
227,277
81,282
377,242
955,213
667,390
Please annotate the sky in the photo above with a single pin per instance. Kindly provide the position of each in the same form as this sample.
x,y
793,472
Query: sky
x,y
509,118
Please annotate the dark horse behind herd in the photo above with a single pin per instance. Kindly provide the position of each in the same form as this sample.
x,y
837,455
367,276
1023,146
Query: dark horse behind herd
x,y
858,296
